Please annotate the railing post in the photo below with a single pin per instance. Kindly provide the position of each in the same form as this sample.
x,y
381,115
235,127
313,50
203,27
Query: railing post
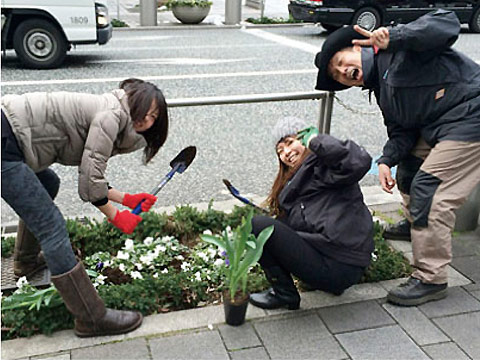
x,y
321,115
328,112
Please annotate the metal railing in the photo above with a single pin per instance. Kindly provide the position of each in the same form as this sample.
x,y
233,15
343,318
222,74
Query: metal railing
x,y
325,109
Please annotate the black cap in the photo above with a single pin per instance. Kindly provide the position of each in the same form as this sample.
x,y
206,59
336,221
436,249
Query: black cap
x,y
336,41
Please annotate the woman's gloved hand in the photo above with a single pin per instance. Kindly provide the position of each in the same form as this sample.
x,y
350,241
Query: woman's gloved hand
x,y
306,135
126,221
133,200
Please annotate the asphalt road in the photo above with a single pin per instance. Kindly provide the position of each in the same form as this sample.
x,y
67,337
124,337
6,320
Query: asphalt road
x,y
233,141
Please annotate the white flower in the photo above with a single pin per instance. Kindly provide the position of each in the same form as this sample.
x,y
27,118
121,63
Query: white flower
x,y
218,262
136,275
155,275
160,248
174,248
139,266
128,244
123,255
185,266
164,271
374,256
203,256
106,263
197,276
148,240
100,279
121,267
207,232
212,252
179,257
146,259
21,282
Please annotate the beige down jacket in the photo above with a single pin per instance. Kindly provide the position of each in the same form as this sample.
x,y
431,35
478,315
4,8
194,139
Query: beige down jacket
x,y
73,129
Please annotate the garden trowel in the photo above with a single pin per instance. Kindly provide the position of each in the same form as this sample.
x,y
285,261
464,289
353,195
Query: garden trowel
x,y
237,195
179,164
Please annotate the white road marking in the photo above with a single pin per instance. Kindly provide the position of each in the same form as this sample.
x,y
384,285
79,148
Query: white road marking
x,y
161,77
282,40
170,61
96,48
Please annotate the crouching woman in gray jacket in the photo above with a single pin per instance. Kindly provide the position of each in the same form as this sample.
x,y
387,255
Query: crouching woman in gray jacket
x,y
84,130
323,231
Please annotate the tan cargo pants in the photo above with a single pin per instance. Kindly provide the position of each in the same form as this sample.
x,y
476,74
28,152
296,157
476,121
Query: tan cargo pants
x,y
456,166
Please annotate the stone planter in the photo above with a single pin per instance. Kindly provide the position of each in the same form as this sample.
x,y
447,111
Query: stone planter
x,y
190,14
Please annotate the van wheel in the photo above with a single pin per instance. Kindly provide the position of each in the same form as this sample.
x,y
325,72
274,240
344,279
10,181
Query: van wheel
x,y
39,44
367,17
474,24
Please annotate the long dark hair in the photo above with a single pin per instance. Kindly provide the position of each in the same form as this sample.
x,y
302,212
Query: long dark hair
x,y
140,96
284,174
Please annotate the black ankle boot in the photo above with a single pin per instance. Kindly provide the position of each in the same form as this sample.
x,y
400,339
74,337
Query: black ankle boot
x,y
283,292
398,231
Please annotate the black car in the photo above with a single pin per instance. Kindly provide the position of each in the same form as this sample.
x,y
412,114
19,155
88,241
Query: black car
x,y
370,14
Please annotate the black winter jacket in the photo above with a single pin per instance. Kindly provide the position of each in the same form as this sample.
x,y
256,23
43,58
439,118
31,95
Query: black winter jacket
x,y
323,202
424,87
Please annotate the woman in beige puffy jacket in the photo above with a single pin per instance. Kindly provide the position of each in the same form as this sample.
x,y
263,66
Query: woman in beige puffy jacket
x,y
84,130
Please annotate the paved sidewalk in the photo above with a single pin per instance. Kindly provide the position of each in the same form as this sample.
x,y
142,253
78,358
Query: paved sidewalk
x,y
357,325
129,12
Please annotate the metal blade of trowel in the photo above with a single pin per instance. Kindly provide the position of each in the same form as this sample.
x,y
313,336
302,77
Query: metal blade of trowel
x,y
179,164
237,195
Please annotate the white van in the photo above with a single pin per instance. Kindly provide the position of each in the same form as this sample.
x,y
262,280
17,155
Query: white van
x,y
41,32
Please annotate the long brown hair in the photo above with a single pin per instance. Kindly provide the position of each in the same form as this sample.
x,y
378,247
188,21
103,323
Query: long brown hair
x,y
284,174
140,96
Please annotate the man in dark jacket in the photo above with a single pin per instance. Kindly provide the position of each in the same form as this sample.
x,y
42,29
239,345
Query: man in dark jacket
x,y
429,95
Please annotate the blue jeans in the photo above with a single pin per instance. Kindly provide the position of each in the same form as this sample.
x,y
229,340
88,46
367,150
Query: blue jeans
x,y
31,196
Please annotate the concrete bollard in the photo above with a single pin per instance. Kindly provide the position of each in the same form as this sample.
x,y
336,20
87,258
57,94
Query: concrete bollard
x,y
468,213
233,12
148,12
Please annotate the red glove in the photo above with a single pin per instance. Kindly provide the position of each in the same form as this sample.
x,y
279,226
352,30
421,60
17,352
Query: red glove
x,y
126,221
132,200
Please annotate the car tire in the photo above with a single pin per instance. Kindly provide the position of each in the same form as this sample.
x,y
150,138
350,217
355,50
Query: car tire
x,y
330,27
39,44
474,24
367,17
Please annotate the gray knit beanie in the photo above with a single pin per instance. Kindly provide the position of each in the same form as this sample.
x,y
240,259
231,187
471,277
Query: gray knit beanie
x,y
287,126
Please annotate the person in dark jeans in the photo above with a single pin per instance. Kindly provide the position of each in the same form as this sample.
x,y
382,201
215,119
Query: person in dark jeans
x,y
39,129
323,231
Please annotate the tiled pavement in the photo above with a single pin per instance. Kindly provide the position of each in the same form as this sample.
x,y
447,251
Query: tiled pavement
x,y
357,325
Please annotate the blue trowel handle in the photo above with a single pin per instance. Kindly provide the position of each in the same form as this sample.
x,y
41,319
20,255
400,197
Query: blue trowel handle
x,y
138,208
178,167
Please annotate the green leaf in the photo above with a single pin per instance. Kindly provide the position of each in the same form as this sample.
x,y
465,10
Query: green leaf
x,y
252,244
213,240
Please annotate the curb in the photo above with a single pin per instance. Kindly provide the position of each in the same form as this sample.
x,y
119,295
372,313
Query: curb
x,y
179,26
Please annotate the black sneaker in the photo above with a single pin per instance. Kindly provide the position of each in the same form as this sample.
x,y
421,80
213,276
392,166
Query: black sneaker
x,y
414,292
398,231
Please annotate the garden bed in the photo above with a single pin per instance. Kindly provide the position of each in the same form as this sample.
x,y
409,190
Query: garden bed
x,y
163,266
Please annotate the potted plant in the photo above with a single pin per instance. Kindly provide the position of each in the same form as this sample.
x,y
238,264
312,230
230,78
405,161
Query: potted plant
x,y
242,250
189,11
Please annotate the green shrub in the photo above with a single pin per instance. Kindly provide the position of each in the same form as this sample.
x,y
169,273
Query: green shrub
x,y
167,267
386,263
118,23
200,3
268,20
8,245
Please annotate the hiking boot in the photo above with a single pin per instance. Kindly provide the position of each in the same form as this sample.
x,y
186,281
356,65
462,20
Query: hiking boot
x,y
27,257
398,231
283,292
414,292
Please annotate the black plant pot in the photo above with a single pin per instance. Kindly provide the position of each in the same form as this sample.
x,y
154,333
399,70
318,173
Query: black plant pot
x,y
235,310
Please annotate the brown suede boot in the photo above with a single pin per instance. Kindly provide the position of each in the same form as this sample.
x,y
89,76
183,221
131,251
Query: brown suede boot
x,y
27,257
92,318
